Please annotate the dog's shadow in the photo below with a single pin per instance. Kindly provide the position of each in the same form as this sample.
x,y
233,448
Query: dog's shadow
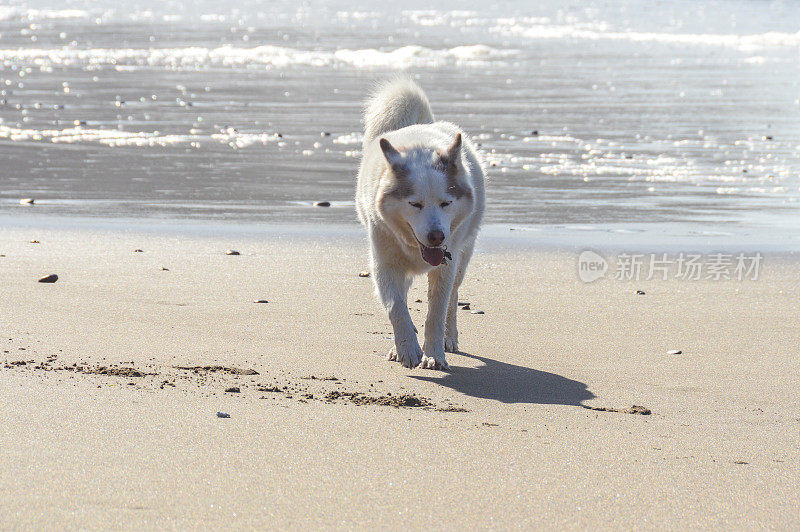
x,y
510,383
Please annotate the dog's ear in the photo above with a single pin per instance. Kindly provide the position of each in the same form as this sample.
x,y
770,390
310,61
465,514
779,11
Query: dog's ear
x,y
452,155
393,157
454,150
451,159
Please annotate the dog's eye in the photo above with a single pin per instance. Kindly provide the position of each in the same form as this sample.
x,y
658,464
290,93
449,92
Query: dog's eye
x,y
445,203
415,204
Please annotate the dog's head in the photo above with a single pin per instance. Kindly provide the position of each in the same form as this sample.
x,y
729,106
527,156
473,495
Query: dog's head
x,y
424,196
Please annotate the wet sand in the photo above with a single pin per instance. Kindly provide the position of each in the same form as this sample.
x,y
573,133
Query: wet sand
x,y
113,377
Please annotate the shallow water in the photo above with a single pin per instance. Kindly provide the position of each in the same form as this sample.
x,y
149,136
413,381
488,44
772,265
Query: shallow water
x,y
681,113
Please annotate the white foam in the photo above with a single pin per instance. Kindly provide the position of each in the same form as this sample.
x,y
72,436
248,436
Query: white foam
x,y
350,138
8,13
117,138
414,55
601,31
267,55
55,13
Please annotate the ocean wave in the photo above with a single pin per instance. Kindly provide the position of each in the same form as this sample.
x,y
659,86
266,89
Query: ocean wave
x,y
267,55
8,13
601,31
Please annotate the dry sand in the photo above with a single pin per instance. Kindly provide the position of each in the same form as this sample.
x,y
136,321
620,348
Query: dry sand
x,y
112,378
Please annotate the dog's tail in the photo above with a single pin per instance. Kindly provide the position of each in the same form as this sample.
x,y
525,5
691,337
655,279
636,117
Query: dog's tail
x,y
395,104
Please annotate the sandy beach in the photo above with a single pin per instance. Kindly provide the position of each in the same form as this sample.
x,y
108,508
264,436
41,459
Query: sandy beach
x,y
163,383
113,376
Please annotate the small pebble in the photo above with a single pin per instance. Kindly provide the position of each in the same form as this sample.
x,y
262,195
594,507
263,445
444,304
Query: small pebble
x,y
232,252
138,251
260,301
163,269
325,134
233,389
417,301
477,312
34,242
26,201
768,137
363,274
223,414
322,204
462,303
675,352
534,132
465,307
640,292
49,278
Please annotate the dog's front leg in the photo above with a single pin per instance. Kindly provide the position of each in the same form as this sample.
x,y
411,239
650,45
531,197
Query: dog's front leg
x,y
392,287
440,285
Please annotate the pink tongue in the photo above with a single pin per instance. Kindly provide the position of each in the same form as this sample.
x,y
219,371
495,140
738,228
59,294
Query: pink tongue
x,y
433,256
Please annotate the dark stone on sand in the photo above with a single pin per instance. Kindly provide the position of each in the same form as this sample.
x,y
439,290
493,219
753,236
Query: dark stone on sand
x,y
322,204
138,251
49,278
477,312
768,137
26,201
465,307
325,134
223,415
233,389
462,303
640,292
535,132
232,252
364,274
675,352
260,301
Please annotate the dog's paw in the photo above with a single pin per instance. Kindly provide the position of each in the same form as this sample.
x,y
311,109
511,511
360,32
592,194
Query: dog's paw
x,y
408,355
451,345
434,362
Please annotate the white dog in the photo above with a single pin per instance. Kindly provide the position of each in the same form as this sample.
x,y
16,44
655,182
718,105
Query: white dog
x,y
420,195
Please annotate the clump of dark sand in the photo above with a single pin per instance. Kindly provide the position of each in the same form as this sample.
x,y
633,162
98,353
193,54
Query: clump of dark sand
x,y
405,400
218,369
634,409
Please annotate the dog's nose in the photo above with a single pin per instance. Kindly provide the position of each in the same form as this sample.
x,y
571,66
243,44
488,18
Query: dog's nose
x,y
435,238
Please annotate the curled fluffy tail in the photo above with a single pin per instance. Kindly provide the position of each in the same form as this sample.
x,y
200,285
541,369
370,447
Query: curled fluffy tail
x,y
395,104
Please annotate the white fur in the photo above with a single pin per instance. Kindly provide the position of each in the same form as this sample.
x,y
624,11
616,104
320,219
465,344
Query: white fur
x,y
389,182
